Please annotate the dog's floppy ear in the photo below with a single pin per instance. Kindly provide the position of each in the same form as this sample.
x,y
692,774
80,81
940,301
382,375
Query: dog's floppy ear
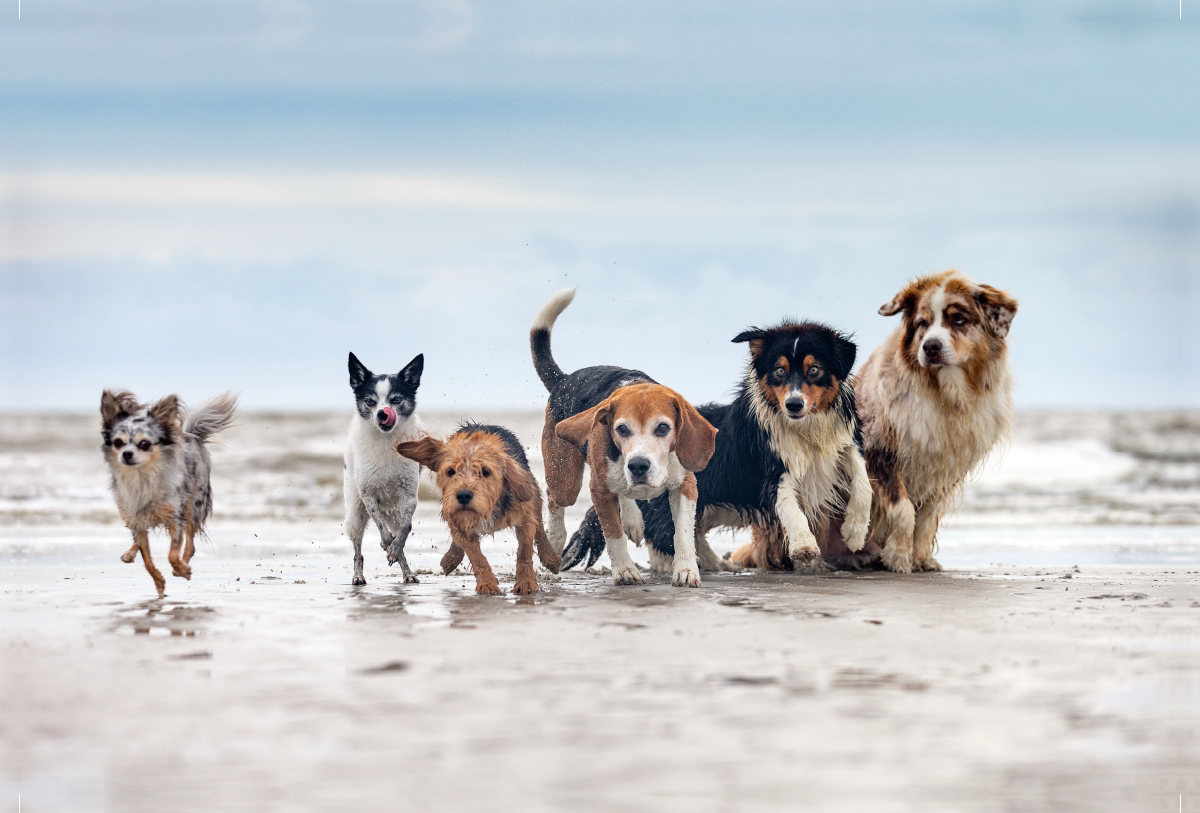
x,y
519,482
695,438
576,429
900,302
755,336
411,374
428,451
998,309
358,372
166,411
845,352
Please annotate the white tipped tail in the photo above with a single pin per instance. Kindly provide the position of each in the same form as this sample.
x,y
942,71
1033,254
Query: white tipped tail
x,y
553,309
211,416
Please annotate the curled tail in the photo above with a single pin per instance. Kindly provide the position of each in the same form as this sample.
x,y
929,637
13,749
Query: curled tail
x,y
211,416
539,337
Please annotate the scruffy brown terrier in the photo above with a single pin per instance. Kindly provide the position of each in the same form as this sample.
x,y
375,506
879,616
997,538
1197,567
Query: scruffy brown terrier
x,y
486,486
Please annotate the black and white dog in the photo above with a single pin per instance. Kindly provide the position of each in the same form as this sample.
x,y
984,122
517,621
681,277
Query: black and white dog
x,y
380,484
787,452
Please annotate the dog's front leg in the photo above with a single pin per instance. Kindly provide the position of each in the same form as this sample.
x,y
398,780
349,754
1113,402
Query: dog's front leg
x,y
143,542
858,506
802,545
925,535
395,551
632,523
485,580
608,511
128,556
175,555
686,570
894,512
526,577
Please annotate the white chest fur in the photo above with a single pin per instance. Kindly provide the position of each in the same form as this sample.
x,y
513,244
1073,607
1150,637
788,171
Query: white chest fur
x,y
372,464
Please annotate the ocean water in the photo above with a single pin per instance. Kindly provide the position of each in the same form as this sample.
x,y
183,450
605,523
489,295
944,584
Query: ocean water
x,y
1069,488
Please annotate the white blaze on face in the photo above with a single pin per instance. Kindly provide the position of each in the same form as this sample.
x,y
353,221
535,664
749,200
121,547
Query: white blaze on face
x,y
939,331
644,444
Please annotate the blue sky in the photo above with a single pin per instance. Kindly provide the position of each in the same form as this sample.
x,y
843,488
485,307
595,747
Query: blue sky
x,y
202,196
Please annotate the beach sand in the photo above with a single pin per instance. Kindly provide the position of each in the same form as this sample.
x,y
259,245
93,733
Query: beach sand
x,y
1054,666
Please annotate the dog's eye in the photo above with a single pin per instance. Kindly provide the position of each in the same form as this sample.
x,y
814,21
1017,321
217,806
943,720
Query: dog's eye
x,y
779,373
922,323
485,472
623,431
814,372
662,430
118,443
450,472
959,320
144,445
370,402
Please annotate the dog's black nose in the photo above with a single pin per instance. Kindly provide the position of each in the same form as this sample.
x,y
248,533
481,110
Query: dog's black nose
x,y
638,466
932,348
464,497
128,455
794,404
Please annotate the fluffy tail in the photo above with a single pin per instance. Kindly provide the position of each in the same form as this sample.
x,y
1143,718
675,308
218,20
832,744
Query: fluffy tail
x,y
211,416
539,337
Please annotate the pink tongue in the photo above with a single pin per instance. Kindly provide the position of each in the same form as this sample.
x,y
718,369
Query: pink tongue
x,y
389,415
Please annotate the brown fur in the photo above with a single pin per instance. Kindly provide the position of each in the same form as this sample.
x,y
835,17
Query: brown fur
x,y
477,461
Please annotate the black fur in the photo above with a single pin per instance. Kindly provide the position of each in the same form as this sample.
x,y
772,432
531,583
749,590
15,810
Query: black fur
x,y
511,445
402,387
744,472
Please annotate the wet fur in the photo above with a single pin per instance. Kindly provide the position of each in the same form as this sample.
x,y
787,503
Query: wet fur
x,y
925,427
488,464
169,485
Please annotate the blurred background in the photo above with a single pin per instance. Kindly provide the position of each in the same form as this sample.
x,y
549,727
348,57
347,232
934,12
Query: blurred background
x,y
195,197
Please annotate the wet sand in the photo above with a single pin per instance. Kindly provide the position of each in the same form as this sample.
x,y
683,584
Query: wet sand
x,y
269,683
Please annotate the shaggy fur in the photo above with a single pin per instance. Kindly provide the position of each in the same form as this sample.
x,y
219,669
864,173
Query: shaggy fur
x,y
640,439
379,485
934,399
486,486
160,468
786,451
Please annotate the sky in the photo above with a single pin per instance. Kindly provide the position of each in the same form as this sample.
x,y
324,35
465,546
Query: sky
x,y
198,197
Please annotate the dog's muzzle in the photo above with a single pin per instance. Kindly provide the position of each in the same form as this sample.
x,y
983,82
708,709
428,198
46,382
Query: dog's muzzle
x,y
464,497
795,407
932,351
386,418
638,468
127,456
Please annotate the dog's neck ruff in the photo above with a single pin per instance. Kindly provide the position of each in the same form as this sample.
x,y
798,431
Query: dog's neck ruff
x,y
809,448
141,491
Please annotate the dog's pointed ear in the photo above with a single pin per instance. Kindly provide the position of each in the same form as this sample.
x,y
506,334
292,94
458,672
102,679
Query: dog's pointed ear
x,y
428,451
754,336
519,481
111,407
411,374
166,412
998,309
845,352
695,438
358,372
576,429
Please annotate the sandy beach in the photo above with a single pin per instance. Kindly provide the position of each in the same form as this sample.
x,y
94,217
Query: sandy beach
x,y
1054,665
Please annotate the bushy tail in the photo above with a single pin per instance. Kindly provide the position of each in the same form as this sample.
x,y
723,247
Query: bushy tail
x,y
211,416
539,337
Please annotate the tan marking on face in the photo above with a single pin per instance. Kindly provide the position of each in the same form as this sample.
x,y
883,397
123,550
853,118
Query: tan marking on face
x,y
641,409
818,399
777,393
938,302
472,462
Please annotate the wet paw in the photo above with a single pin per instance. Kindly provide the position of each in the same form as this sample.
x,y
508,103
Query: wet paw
x,y
128,556
524,587
627,575
854,537
358,580
686,577
817,565
897,561
491,588
411,579
181,570
804,553
928,565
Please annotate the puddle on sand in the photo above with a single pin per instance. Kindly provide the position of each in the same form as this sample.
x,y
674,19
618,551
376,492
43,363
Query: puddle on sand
x,y
156,617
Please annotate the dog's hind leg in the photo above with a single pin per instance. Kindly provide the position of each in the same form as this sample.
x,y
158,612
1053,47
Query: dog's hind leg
x,y
356,526
526,577
925,537
395,551
143,543
179,567
550,558
564,478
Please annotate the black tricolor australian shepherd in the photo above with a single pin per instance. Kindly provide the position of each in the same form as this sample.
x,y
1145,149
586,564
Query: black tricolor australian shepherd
x,y
787,452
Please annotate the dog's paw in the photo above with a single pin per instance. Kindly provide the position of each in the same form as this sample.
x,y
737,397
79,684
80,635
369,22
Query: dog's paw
x,y
524,587
128,556
358,580
490,588
634,528
627,575
802,553
927,565
411,579
855,536
817,565
181,570
686,577
896,560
